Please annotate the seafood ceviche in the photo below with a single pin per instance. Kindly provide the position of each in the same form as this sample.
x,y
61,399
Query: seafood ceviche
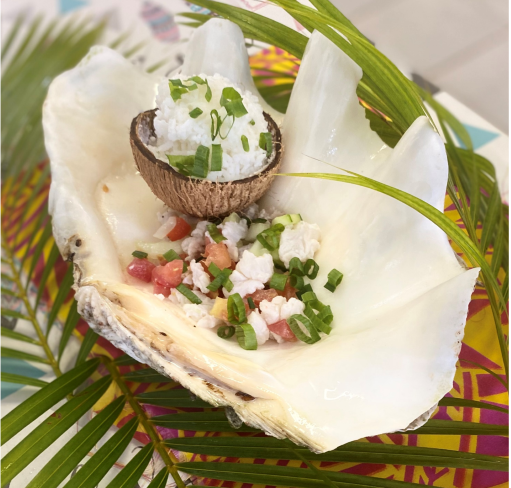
x,y
249,275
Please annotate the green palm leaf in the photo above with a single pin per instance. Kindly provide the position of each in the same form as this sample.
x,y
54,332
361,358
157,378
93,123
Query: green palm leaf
x,y
98,466
160,480
13,353
12,334
132,472
22,380
172,398
80,444
44,399
51,429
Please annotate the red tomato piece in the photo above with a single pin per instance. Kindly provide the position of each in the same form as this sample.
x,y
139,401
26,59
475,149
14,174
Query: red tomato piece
x,y
218,254
168,276
282,329
261,295
160,290
141,269
180,230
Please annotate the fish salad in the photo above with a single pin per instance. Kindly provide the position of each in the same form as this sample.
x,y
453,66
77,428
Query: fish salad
x,y
249,276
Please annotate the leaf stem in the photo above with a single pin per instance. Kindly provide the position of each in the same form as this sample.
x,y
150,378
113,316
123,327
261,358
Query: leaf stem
x,y
168,457
16,278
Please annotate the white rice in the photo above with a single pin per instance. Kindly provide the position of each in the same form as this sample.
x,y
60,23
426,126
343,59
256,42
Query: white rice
x,y
178,134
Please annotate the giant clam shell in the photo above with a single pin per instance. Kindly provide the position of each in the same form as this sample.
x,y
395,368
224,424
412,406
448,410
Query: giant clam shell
x,y
399,313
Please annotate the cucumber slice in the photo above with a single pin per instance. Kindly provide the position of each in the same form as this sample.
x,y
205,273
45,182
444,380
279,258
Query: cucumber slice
x,y
287,219
234,217
258,249
256,229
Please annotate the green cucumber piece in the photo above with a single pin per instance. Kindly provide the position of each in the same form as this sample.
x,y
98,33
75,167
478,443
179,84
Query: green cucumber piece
x,y
258,249
255,229
234,217
295,218
287,219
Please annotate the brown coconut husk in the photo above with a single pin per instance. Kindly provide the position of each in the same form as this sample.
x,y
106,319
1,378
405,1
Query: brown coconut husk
x,y
200,198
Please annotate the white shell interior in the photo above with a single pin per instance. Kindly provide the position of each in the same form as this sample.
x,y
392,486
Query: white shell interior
x,y
399,312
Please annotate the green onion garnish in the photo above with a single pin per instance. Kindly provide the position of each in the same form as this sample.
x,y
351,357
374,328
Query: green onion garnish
x,y
311,269
214,269
197,80
270,238
334,280
244,142
266,143
208,95
278,281
303,291
188,294
195,113
259,221
200,81
251,303
216,122
296,267
139,254
171,255
176,82
236,309
222,121
252,122
232,102
176,92
326,315
249,222
215,233
220,279
308,296
228,285
294,321
180,160
216,157
316,321
225,331
201,162
296,282
246,337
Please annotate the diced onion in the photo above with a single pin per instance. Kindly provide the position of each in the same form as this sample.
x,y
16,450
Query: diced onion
x,y
165,228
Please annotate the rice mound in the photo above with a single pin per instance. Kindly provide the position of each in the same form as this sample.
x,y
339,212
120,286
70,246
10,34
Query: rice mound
x,y
179,134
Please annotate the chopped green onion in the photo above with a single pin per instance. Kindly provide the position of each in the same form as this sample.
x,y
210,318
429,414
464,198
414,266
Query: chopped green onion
x,y
326,315
139,254
246,336
270,238
176,82
293,323
244,143
249,222
259,221
252,122
201,162
214,269
220,279
296,267
215,129
225,331
236,309
176,92
216,157
334,280
251,303
266,143
308,296
180,160
228,285
303,291
185,267
222,121
316,321
197,80
188,294
171,255
232,102
195,112
192,87
296,282
215,233
278,281
311,269
208,94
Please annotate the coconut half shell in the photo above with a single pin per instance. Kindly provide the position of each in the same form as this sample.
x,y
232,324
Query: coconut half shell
x,y
200,198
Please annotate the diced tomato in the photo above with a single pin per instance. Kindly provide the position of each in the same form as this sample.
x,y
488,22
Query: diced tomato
x,y
261,295
168,276
180,230
288,292
218,254
141,269
282,329
160,290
